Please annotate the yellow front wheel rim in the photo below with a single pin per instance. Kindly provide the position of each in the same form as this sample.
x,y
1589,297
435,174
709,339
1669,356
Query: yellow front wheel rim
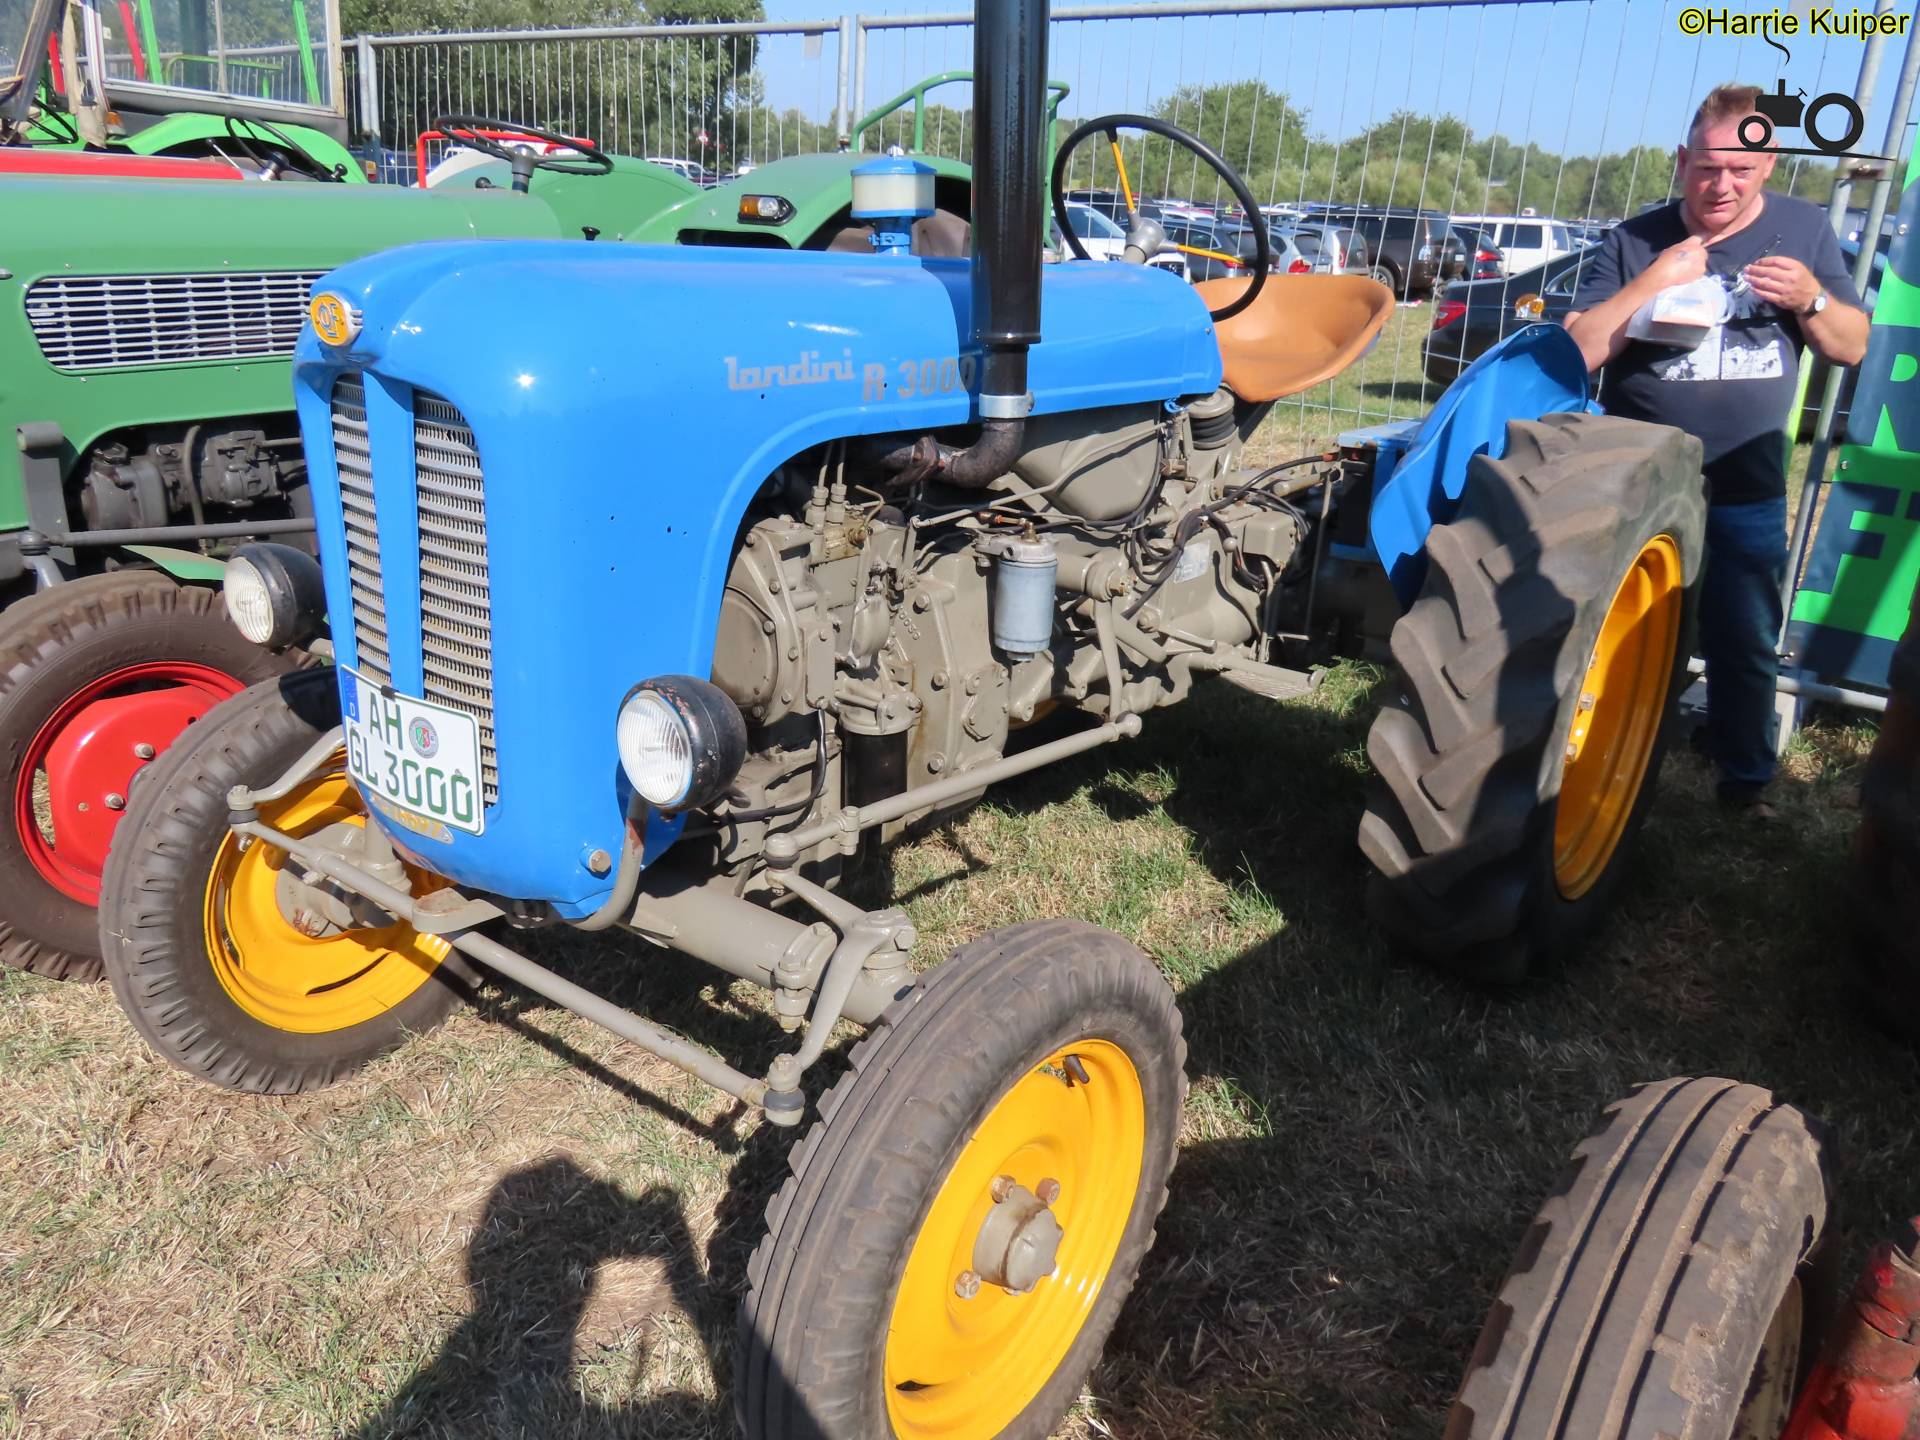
x,y
959,1368
283,978
1617,717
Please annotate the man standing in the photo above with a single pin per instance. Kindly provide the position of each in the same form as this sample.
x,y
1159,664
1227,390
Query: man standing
x,y
1787,284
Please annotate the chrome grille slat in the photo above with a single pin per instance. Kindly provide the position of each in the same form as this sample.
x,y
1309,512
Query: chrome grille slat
x,y
103,322
456,616
352,459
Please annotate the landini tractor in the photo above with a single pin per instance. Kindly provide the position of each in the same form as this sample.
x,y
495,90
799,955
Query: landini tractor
x,y
147,328
663,579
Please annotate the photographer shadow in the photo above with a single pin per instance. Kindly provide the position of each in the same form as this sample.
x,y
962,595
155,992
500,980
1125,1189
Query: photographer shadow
x,y
565,1271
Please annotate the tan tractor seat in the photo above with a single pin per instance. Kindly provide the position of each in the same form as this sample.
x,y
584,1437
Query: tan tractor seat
x,y
1300,330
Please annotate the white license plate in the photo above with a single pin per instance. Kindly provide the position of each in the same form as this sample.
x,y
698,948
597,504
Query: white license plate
x,y
421,757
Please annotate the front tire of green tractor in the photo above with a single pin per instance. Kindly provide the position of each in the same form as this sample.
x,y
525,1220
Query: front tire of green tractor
x,y
199,945
967,1217
1672,1283
1537,670
97,677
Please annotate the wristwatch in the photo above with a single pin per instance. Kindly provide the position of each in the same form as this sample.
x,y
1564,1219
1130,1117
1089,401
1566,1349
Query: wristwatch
x,y
1819,304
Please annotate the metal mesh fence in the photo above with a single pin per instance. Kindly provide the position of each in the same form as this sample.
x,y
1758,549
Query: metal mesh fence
x,y
1366,128
694,93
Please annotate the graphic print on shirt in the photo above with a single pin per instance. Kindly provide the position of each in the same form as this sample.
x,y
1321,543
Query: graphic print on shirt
x,y
1719,358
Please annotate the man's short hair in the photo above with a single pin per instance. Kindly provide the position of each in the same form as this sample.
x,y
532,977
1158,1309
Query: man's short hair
x,y
1723,103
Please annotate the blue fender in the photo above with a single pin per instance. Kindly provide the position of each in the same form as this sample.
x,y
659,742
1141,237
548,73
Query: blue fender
x,y
1533,372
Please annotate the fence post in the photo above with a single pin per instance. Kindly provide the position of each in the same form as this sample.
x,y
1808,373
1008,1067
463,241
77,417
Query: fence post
x,y
366,71
859,75
843,95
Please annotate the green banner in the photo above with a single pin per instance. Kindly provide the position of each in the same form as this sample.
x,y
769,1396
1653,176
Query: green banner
x,y
1853,601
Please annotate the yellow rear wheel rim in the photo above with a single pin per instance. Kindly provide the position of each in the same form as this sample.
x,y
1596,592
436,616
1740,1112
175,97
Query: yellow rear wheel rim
x,y
959,1368
1617,717
288,980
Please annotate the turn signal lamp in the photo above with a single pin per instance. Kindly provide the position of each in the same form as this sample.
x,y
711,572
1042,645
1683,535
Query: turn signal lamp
x,y
681,741
765,209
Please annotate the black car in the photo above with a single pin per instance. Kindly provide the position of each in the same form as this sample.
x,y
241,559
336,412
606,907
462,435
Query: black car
x,y
1222,240
1416,247
1474,315
1113,205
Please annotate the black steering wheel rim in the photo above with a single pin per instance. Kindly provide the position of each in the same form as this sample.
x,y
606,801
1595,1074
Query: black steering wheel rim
x,y
1110,125
588,159
254,135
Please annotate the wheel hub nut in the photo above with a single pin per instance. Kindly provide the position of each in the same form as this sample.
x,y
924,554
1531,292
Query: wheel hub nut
x,y
1019,1241
967,1286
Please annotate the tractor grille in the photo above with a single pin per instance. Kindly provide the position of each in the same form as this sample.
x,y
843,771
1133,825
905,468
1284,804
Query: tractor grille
x,y
456,626
353,458
103,322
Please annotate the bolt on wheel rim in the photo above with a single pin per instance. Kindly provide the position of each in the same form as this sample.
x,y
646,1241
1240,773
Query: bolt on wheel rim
x,y
960,1366
1617,716
286,979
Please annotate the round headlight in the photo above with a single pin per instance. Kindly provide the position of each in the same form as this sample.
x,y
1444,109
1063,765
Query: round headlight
x,y
275,596
248,604
681,741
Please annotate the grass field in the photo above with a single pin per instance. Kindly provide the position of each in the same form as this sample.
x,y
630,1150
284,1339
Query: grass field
x,y
515,1227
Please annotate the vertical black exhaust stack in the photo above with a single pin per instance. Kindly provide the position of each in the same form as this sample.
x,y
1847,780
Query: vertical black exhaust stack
x,y
1009,90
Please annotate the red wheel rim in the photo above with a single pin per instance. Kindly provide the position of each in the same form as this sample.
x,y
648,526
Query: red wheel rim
x,y
155,700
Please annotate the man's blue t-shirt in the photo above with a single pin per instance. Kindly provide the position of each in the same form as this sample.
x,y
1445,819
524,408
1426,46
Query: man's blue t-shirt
x,y
1735,389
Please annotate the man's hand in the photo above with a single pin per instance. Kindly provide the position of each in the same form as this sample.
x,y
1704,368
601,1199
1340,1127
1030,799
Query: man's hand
x,y
1783,281
1678,264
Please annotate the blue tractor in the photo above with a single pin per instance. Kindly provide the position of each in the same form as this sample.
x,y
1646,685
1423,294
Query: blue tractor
x,y
664,579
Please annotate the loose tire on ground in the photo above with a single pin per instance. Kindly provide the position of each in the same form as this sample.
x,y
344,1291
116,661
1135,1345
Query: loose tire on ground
x,y
1660,1291
63,652
1884,878
201,956
1536,672
1046,1051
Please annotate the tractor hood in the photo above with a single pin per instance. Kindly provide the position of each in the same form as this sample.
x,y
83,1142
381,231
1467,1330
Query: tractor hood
x,y
616,408
116,227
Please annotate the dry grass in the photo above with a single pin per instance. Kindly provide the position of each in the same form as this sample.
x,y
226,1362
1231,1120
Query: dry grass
x,y
516,1227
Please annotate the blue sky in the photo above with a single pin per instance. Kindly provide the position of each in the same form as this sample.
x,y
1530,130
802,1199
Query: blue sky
x,y
1574,75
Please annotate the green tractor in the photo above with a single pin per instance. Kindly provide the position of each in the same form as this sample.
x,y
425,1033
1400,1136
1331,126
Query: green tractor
x,y
146,382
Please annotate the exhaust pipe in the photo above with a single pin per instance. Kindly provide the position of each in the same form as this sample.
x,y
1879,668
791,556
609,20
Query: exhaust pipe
x,y
1009,108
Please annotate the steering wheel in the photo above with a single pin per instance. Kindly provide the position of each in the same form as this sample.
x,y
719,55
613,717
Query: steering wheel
x,y
273,151
588,159
1110,126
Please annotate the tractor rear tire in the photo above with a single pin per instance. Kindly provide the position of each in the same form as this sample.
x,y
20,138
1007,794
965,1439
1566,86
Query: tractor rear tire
x,y
1884,880
65,655
1661,1290
1519,756
1044,1051
202,958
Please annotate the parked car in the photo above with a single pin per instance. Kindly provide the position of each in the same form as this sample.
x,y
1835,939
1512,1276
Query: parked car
x,y
1233,249
1113,205
687,170
1333,250
1527,240
1469,317
1485,260
1105,240
1412,247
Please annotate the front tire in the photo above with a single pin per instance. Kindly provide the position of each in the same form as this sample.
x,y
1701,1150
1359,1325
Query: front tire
x,y
201,953
1670,1283
1537,670
1042,1052
97,677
